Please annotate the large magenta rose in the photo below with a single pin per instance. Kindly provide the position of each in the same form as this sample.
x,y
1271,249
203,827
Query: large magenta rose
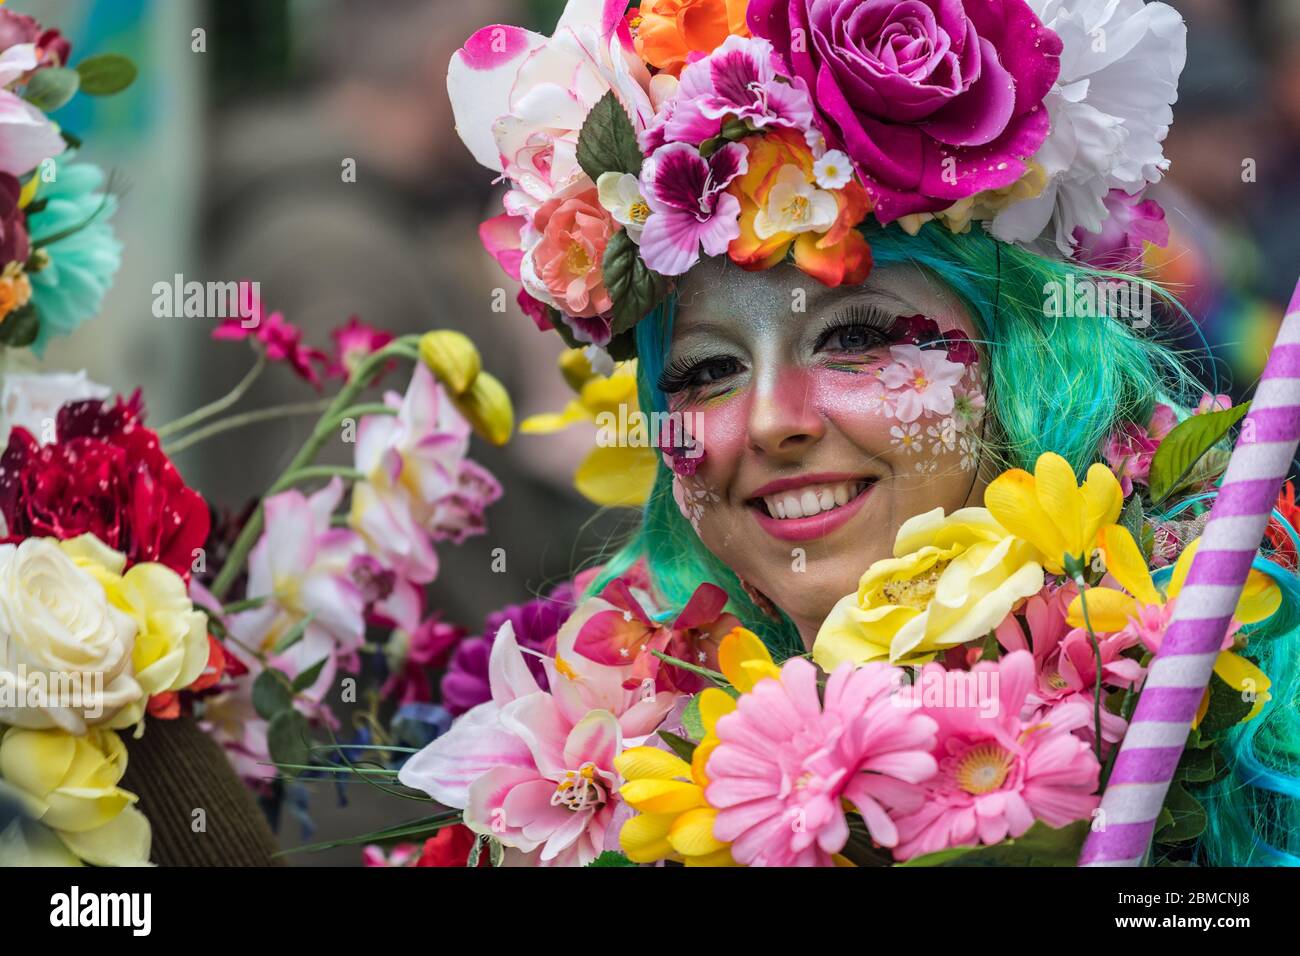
x,y
934,100
104,474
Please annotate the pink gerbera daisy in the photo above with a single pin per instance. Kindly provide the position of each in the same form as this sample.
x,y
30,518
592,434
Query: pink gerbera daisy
x,y
788,762
1000,769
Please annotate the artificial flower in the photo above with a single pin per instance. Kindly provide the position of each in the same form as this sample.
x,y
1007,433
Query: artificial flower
x,y
854,748
32,400
620,196
51,47
575,229
280,340
1110,111
15,244
1129,224
79,267
737,81
1130,450
952,579
27,136
66,652
1047,509
999,771
622,632
104,474
1284,546
69,784
230,718
689,205
933,100
411,656
674,819
171,646
520,99
452,357
353,343
920,382
618,471
781,208
1145,612
534,625
671,33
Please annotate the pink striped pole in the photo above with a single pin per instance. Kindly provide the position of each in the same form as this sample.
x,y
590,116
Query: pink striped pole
x,y
1181,671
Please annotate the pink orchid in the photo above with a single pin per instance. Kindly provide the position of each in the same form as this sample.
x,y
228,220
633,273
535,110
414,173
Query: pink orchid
x,y
280,340
26,134
534,769
689,206
412,655
624,633
738,79
788,762
999,771
353,342
1130,450
301,567
920,381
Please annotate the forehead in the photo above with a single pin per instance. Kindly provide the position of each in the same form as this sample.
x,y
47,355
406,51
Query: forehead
x,y
720,295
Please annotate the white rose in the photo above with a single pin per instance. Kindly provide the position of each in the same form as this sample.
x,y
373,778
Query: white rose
x,y
1111,109
65,652
33,401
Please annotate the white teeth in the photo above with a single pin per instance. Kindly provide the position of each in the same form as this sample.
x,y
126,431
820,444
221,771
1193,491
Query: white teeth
x,y
814,499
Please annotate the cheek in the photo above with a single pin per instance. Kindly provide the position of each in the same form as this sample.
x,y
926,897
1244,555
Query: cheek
x,y
721,425
854,399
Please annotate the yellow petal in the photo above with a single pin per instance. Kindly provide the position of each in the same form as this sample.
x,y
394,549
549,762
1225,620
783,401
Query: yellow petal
x,y
1243,676
123,841
662,796
36,761
692,833
644,838
714,703
1260,598
721,858
1126,564
1108,610
638,763
1011,499
1181,567
550,422
740,649
1059,495
576,368
452,357
617,477
1103,499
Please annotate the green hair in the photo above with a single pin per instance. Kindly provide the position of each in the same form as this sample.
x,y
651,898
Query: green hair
x,y
1052,384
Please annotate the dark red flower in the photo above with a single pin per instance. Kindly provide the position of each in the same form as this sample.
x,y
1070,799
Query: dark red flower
x,y
104,474
52,47
14,244
1284,550
281,340
451,848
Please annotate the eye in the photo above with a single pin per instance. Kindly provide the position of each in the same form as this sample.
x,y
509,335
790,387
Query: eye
x,y
854,337
680,375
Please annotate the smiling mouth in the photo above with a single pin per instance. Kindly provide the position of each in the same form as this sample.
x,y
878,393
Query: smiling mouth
x,y
811,500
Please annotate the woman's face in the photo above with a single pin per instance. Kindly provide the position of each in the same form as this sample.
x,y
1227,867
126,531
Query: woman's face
x,y
827,418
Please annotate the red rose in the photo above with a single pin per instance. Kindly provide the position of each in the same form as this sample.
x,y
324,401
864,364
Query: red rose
x,y
451,848
104,474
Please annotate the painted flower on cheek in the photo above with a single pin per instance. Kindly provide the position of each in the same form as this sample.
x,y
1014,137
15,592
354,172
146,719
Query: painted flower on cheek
x,y
920,382
689,207
567,259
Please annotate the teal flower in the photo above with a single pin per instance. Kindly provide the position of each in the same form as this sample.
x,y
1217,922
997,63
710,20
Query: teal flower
x,y
70,289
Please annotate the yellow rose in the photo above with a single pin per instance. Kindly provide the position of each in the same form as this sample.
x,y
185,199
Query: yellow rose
x,y
65,650
171,643
70,785
952,579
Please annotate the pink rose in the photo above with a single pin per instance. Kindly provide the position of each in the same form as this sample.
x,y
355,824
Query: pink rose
x,y
567,260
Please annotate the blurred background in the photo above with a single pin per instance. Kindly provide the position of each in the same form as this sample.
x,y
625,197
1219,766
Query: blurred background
x,y
232,159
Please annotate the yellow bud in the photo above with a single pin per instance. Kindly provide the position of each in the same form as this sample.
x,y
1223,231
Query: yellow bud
x,y
576,369
452,357
487,406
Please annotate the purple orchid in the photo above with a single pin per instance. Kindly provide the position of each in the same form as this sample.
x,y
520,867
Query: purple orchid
x,y
688,205
738,79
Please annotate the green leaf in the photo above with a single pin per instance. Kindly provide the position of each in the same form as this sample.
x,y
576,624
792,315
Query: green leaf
x,y
607,141
50,88
691,721
476,850
106,74
679,745
1132,519
18,329
1182,818
1184,446
293,636
271,694
611,858
308,677
286,738
1041,845
634,288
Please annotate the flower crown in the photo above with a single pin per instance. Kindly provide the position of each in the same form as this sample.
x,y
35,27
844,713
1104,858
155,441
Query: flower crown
x,y
634,141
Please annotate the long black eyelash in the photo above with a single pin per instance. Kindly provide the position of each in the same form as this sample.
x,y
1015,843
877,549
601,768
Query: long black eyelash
x,y
677,374
856,316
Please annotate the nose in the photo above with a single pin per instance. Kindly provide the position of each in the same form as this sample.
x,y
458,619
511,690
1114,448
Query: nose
x,y
783,422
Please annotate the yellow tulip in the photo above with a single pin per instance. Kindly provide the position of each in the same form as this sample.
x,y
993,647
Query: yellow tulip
x,y
1049,510
953,579
452,357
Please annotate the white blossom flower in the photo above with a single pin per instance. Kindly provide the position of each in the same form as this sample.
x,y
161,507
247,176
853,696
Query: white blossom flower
x,y
833,170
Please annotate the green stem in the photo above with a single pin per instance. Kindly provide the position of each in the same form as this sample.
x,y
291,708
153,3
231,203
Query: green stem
x,y
1096,651
220,405
320,471
324,430
239,421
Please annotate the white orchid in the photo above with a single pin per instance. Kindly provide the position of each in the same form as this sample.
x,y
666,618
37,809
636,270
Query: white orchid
x,y
1111,109
620,194
795,205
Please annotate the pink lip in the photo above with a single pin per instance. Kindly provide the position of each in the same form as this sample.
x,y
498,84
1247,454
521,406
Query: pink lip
x,y
800,481
817,526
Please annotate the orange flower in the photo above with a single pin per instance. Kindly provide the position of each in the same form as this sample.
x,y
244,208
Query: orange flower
x,y
779,204
667,32
15,290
